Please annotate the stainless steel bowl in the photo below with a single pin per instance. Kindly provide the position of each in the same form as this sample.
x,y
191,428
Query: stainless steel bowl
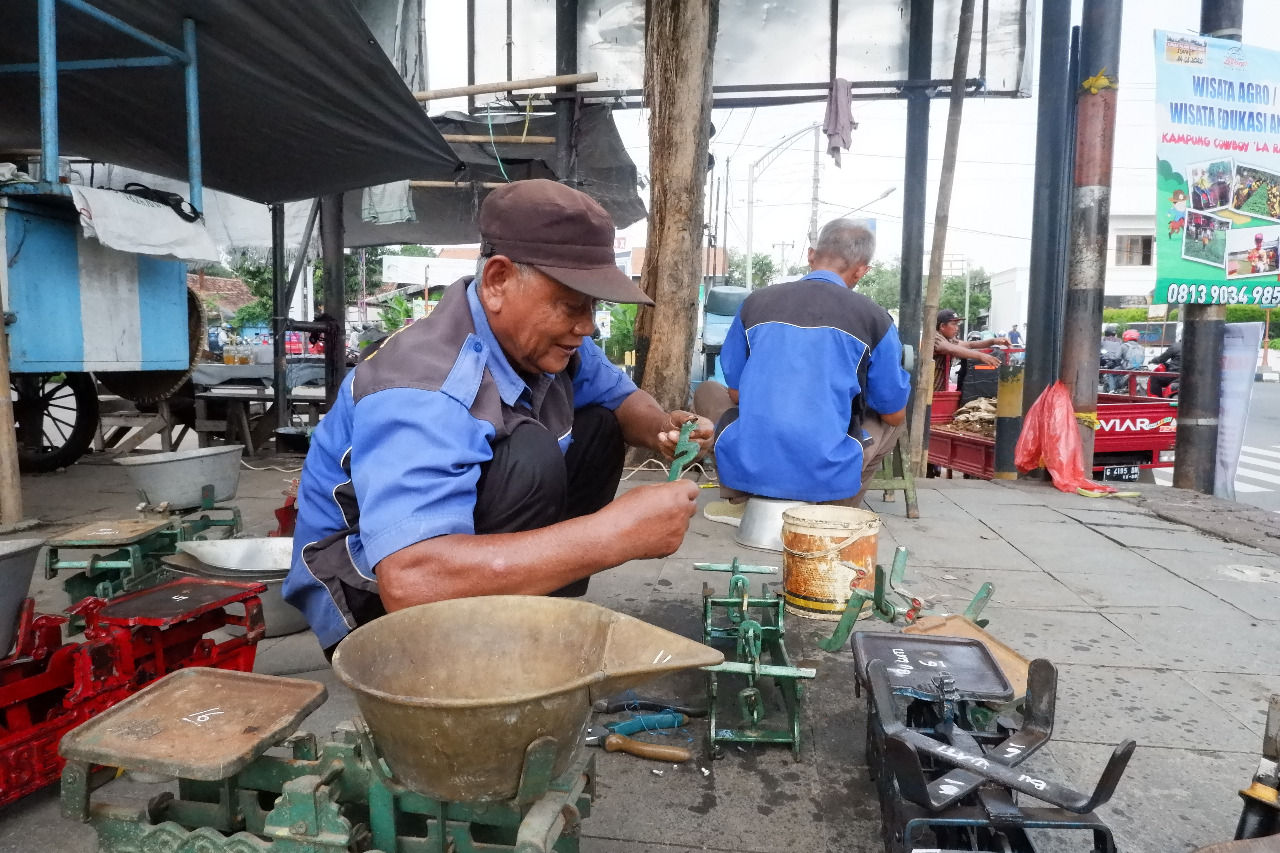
x,y
761,526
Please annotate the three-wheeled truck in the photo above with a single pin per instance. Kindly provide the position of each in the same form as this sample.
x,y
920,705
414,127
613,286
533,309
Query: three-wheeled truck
x,y
1136,433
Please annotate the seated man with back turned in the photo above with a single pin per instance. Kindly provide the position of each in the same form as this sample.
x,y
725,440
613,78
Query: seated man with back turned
x,y
478,450
817,393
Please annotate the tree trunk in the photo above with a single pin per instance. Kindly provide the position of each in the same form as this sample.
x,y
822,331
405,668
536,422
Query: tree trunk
x,y
679,46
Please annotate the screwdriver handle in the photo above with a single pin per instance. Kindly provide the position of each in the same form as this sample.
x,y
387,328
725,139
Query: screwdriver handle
x,y
654,751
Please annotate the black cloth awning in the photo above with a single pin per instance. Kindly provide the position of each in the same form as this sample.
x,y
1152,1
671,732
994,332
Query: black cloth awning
x,y
602,169
297,100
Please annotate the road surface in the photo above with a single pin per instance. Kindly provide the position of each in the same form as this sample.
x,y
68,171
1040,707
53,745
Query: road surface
x,y
1258,478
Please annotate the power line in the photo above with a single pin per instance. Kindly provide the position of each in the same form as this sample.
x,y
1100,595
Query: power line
x,y
750,119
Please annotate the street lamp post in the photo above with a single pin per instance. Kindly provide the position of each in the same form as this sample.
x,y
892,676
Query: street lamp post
x,y
756,168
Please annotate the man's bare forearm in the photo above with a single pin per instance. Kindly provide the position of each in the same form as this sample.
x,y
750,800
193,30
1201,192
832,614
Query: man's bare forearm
x,y
534,562
642,420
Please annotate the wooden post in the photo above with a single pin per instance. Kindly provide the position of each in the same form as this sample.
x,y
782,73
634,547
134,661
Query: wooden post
x,y
679,47
10,484
933,293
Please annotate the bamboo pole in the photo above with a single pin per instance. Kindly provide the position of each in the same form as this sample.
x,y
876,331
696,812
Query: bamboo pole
x,y
507,86
933,293
502,140
10,484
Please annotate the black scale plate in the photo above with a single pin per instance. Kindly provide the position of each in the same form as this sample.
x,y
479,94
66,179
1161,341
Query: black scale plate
x,y
912,661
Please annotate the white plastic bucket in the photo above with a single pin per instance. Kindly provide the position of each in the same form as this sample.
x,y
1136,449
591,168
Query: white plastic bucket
x,y
826,551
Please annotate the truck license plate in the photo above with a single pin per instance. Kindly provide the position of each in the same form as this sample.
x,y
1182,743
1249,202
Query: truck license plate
x,y
1121,473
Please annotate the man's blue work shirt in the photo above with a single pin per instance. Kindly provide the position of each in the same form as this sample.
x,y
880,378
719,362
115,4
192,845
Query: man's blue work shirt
x,y
397,459
807,358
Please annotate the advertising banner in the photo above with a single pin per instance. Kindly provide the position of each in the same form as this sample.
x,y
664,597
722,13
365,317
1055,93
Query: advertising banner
x,y
1218,172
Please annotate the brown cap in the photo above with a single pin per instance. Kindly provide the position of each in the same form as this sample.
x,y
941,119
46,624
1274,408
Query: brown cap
x,y
560,231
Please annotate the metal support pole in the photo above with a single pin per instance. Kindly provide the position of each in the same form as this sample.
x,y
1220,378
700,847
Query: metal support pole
x,y
1008,420
911,324
48,36
1048,218
334,282
1091,212
566,63
1203,327
751,209
191,78
279,317
922,403
813,203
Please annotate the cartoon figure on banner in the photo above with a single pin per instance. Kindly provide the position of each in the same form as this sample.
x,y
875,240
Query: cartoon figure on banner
x,y
1177,213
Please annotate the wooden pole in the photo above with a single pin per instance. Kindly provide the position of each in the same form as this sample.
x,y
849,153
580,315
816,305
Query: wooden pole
x,y
679,46
933,293
507,86
10,483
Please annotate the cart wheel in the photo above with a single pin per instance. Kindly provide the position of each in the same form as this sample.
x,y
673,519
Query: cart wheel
x,y
56,416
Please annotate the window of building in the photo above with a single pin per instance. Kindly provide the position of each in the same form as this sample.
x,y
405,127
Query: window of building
x,y
1134,250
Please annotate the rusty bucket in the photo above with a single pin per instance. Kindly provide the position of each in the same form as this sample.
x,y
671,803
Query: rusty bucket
x,y
826,550
454,692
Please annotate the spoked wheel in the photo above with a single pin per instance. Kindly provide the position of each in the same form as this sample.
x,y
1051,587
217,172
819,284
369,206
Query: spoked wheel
x,y
56,415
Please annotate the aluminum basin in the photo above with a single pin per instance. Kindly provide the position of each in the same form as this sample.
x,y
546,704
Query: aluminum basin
x,y
263,561
454,692
177,477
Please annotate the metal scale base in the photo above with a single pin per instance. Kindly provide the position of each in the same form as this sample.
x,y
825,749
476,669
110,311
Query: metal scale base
x,y
213,731
757,629
135,548
949,778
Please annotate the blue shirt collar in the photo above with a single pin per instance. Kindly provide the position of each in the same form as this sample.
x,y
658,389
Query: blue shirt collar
x,y
826,275
510,386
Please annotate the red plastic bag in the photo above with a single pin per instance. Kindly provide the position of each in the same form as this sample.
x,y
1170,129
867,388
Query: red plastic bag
x,y
1051,439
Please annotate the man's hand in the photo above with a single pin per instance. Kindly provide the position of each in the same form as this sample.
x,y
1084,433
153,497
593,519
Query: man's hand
x,y
1001,341
651,521
988,359
703,434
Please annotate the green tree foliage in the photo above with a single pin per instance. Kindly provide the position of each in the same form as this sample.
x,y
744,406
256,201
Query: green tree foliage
x,y
393,314
763,269
414,251
621,332
881,284
257,276
979,294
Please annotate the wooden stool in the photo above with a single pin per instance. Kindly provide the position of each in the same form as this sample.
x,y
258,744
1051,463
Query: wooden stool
x,y
895,473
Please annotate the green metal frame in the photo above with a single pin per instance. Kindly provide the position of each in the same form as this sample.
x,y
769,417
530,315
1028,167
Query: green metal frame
x,y
336,797
760,652
137,565
890,602
895,473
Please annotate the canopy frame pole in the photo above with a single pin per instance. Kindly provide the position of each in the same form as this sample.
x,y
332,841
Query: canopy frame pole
x,y
191,79
48,46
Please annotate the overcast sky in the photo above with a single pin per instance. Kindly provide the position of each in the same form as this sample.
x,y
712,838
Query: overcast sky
x,y
991,215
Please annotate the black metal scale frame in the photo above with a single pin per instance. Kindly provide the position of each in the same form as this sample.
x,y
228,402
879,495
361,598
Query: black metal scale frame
x,y
937,774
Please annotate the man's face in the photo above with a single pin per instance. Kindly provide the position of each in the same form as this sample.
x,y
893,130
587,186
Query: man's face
x,y
538,322
950,329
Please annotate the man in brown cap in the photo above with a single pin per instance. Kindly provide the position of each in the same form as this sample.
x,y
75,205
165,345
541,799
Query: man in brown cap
x,y
478,451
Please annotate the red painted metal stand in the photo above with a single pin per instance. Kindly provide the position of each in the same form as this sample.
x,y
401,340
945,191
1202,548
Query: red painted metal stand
x,y
48,687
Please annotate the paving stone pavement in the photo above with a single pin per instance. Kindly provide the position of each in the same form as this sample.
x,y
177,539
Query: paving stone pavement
x,y
1160,632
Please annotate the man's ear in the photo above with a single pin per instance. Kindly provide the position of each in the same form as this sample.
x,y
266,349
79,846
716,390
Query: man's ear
x,y
812,255
496,282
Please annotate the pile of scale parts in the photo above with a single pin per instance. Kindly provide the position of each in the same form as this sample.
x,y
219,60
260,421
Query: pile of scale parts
x,y
977,416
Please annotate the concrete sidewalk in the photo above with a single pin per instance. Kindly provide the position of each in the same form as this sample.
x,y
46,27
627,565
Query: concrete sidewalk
x,y
1159,632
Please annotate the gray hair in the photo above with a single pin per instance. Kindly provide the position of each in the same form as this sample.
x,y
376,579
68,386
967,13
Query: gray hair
x,y
481,261
847,240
